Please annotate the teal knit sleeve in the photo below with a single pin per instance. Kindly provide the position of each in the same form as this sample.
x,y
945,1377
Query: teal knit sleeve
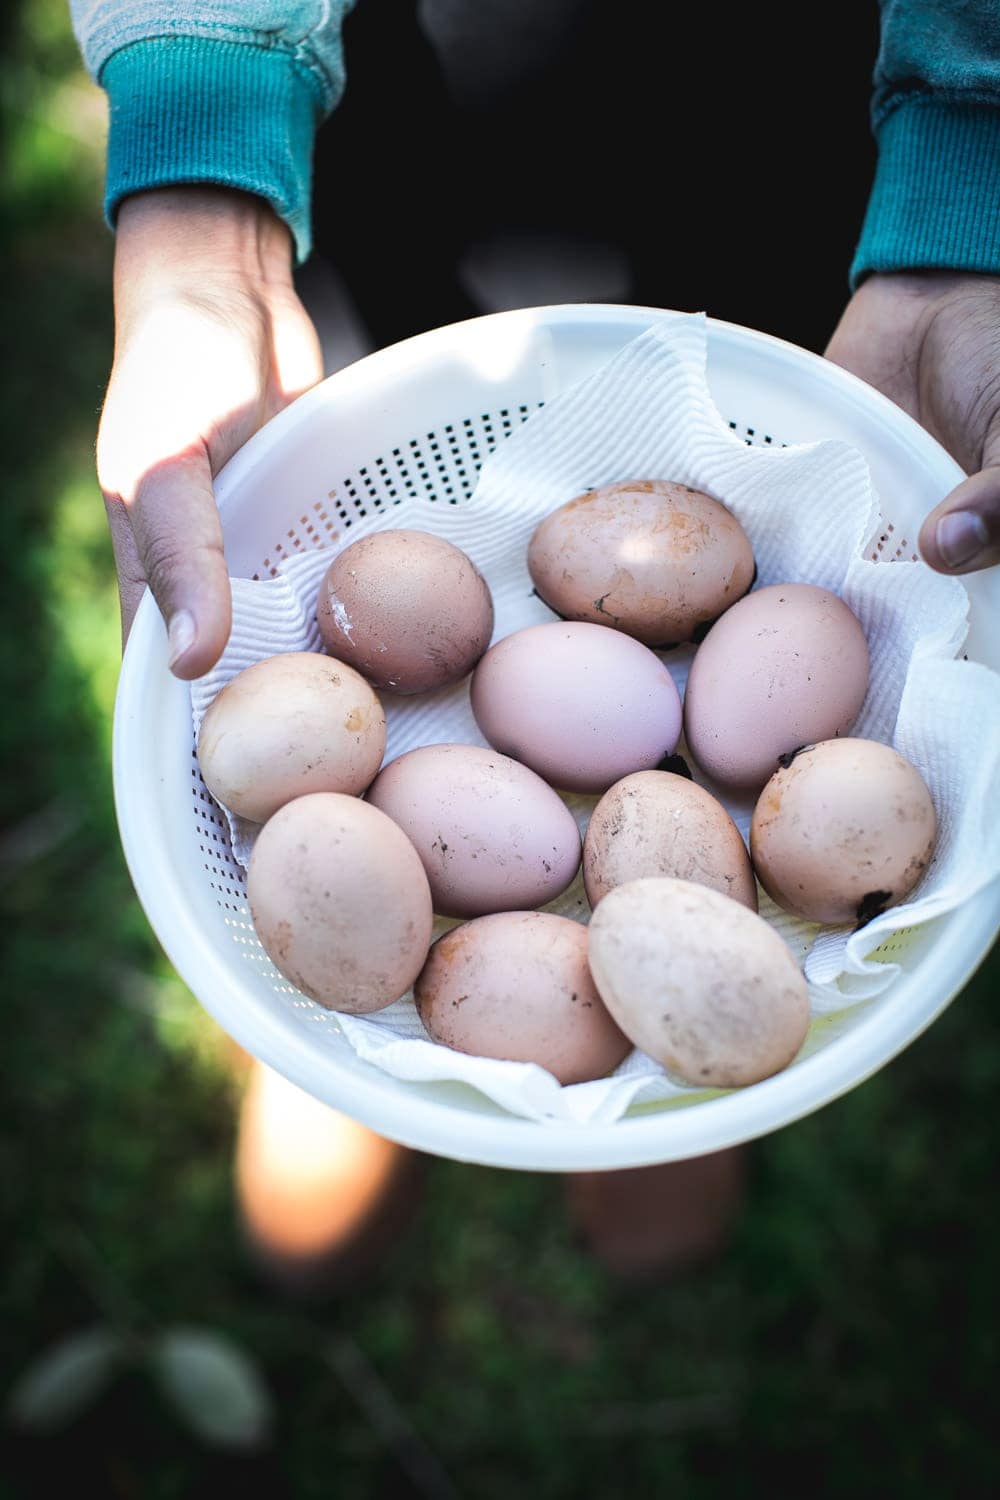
x,y
935,202
220,91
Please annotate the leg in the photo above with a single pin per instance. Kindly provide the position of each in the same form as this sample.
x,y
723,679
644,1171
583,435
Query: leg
x,y
320,1196
650,1220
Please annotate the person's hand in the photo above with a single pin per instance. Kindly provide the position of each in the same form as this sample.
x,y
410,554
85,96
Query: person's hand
x,y
930,341
210,341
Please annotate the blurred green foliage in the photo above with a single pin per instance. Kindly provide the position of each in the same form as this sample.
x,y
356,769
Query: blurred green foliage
x,y
847,1346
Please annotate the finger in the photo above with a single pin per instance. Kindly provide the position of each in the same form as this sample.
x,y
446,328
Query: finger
x,y
178,537
962,534
131,580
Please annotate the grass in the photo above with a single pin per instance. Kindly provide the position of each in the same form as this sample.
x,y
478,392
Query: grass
x,y
848,1343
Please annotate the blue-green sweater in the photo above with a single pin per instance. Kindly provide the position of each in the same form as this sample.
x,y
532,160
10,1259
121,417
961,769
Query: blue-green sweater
x,y
232,91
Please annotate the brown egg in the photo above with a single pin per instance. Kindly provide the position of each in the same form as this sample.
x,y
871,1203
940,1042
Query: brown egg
x,y
492,835
516,986
287,726
654,559
786,666
340,902
698,982
844,831
581,705
656,823
407,609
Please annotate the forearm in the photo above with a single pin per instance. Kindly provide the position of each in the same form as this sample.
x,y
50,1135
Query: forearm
x,y
935,203
220,91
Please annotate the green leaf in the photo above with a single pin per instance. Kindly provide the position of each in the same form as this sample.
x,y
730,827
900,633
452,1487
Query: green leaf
x,y
214,1386
62,1382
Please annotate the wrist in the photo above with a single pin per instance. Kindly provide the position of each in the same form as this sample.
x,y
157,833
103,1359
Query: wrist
x,y
899,306
170,237
930,284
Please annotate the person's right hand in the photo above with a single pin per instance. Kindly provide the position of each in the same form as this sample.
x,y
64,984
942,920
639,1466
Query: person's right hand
x,y
930,341
210,341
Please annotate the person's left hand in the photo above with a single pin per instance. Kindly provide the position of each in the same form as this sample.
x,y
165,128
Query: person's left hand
x,y
930,341
211,341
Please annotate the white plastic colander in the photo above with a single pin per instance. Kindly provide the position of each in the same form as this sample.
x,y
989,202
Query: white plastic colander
x,y
417,420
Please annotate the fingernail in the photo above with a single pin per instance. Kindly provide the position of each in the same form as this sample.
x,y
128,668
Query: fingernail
x,y
180,636
960,535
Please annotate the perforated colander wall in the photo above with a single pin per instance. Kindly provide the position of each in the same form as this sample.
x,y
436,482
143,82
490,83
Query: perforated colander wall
x,y
440,467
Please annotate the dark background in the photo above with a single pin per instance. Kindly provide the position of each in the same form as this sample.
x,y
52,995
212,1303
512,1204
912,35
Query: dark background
x,y
725,149
847,1344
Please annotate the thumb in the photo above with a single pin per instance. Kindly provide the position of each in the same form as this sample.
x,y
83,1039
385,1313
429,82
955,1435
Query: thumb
x,y
178,538
962,534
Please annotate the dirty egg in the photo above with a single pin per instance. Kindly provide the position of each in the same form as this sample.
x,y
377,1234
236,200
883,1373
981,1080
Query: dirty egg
x,y
409,610
652,558
340,902
698,982
844,831
516,986
658,823
786,666
287,726
491,834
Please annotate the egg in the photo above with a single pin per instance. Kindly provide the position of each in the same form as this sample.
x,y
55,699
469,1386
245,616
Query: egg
x,y
340,902
658,823
844,831
786,666
492,835
516,985
409,610
580,704
287,726
654,559
698,982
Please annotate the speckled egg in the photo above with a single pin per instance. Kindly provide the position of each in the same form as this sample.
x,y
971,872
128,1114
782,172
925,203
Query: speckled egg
x,y
786,666
492,835
698,982
410,611
654,559
659,823
844,831
580,704
340,902
287,726
517,986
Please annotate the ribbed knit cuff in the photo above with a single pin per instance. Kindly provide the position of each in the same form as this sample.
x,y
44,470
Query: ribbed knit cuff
x,y
187,109
935,204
